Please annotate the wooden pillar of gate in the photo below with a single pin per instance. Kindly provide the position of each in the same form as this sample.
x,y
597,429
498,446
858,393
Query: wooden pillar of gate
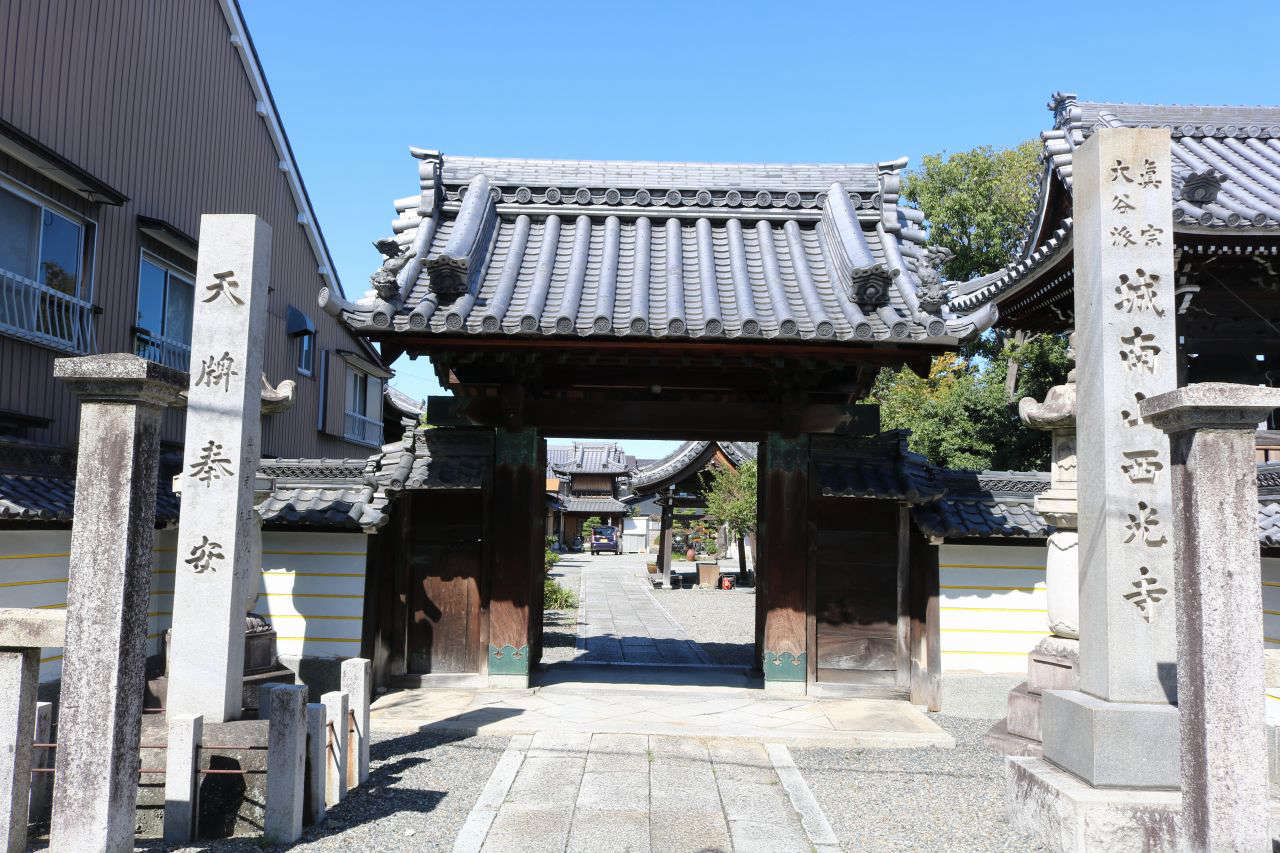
x,y
782,570
513,534
667,502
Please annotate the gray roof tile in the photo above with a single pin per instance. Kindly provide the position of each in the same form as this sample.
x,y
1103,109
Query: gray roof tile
x,y
571,248
1232,150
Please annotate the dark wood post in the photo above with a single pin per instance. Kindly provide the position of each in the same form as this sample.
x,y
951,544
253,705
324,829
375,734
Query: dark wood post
x,y
784,560
926,650
514,531
664,538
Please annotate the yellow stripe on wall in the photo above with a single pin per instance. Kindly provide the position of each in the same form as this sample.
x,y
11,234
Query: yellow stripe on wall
x,y
996,588
991,631
32,583
1000,609
313,574
50,658
976,566
317,553
31,556
275,616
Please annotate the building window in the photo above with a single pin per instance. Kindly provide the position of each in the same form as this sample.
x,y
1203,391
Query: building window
x,y
166,300
363,421
45,261
307,353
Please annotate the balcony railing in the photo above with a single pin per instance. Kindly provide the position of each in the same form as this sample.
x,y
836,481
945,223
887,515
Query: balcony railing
x,y
38,313
364,430
162,350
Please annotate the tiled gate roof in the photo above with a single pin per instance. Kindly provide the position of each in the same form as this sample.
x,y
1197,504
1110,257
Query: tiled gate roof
x,y
498,247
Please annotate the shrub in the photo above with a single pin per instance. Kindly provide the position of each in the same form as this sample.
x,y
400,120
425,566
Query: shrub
x,y
556,596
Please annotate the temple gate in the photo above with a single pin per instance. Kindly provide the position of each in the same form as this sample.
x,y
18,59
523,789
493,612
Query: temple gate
x,y
742,303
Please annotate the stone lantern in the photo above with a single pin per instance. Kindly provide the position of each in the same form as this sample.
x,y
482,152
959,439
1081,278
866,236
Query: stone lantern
x,y
1055,661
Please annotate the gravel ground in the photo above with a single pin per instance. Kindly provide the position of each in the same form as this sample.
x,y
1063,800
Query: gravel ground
x,y
421,788
721,621
922,799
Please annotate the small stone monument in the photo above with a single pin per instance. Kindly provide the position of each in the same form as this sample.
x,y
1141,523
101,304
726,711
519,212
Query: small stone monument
x,y
219,530
1054,663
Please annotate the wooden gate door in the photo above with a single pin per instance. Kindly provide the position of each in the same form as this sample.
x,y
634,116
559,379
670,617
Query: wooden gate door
x,y
444,568
860,624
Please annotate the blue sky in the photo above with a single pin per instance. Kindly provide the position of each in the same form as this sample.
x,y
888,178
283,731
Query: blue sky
x,y
357,84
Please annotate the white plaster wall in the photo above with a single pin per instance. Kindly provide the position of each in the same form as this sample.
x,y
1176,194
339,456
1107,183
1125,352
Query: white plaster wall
x,y
312,591
311,587
33,573
993,606
1271,626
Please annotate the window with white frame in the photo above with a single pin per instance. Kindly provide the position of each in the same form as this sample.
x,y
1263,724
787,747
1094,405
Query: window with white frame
x,y
45,266
166,301
363,421
307,353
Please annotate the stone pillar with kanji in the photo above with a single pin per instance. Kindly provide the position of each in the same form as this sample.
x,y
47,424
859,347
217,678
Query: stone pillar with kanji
x,y
1111,744
218,534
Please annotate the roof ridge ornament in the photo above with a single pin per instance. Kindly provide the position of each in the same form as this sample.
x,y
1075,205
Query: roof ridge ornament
x,y
1201,188
462,259
864,279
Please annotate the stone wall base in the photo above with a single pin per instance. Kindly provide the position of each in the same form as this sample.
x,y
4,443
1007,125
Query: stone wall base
x,y
1054,664
509,682
1068,816
774,687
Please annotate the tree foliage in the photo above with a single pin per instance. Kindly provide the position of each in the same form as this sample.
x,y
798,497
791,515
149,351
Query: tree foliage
x,y
731,498
962,415
977,203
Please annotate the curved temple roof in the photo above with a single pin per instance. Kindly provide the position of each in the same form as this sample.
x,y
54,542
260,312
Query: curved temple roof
x,y
1225,178
687,459
503,247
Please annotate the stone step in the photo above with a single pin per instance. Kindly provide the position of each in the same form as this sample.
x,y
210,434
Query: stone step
x,y
1024,713
1000,739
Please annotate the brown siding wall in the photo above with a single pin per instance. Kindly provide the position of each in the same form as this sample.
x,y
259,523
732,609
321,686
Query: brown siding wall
x,y
151,97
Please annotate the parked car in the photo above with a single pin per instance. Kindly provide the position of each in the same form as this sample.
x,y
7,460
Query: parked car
x,y
604,538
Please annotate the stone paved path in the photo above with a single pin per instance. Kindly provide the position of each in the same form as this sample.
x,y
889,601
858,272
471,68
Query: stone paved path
x,y
610,702
620,620
597,793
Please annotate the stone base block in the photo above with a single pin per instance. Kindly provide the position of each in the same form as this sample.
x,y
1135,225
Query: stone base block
x,y
229,804
509,682
1067,815
1111,744
1054,664
1024,713
1000,739
785,688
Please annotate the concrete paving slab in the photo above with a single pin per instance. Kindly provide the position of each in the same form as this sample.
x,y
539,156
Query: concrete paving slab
x,y
611,831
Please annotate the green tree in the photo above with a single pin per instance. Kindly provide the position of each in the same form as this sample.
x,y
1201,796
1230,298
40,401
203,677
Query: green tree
x,y
731,501
964,413
977,204
589,525
961,415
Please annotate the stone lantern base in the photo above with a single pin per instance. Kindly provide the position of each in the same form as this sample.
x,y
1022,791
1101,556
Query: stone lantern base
x,y
1067,815
1054,664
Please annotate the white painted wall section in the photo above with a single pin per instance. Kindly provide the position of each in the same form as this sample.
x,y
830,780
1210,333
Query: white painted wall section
x,y
311,588
993,606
